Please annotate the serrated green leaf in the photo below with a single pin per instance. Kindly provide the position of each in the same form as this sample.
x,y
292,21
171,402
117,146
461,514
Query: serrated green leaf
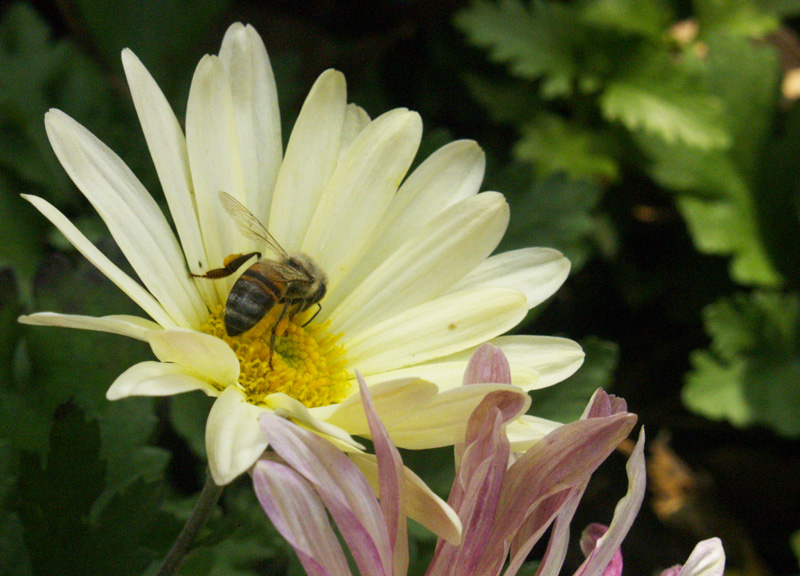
x,y
714,390
745,75
645,17
124,525
673,115
538,42
55,500
566,402
717,205
752,373
81,365
552,146
555,212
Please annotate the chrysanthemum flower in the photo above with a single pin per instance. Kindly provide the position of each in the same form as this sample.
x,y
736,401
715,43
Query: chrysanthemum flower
x,y
411,287
504,509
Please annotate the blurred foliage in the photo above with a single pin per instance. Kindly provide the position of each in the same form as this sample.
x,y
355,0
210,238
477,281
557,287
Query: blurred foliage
x,y
648,140
751,374
601,89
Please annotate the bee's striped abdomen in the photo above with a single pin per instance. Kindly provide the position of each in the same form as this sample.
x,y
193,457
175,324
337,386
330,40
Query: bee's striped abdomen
x,y
253,295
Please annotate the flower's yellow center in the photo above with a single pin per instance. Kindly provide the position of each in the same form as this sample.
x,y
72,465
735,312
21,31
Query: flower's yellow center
x,y
308,363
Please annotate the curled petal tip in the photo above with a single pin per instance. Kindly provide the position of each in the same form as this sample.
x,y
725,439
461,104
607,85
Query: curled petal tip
x,y
488,365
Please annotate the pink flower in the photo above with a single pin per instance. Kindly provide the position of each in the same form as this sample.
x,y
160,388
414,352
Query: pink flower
x,y
505,502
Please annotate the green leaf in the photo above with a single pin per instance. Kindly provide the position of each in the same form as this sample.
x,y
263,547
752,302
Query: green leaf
x,y
565,402
716,202
535,43
675,116
745,18
81,365
746,76
781,8
716,186
779,198
125,524
751,375
553,146
55,501
715,390
62,507
660,97
555,212
645,17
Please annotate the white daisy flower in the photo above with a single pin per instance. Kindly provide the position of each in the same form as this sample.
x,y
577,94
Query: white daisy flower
x,y
412,289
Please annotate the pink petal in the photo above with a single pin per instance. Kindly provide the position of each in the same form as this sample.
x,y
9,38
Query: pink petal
x,y
479,479
591,534
607,546
390,472
565,458
558,544
560,507
344,490
707,559
488,365
604,404
298,514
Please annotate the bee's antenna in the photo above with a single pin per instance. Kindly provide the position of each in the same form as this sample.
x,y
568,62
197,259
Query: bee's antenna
x,y
307,322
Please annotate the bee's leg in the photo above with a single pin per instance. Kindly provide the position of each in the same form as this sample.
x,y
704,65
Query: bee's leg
x,y
286,306
319,308
231,264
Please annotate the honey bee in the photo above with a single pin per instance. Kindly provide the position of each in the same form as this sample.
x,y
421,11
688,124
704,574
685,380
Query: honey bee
x,y
293,280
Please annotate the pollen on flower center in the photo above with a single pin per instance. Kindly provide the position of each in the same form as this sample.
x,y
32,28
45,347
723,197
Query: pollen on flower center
x,y
308,363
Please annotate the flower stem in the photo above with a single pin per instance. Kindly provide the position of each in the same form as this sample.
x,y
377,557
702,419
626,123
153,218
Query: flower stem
x,y
205,504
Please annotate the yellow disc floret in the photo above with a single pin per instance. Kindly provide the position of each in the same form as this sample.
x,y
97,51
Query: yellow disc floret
x,y
308,363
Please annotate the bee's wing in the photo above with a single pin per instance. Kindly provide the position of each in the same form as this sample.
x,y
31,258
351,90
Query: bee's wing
x,y
280,272
248,224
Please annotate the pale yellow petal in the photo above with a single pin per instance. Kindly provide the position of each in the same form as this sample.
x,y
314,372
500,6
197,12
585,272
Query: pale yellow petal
x,y
132,216
200,354
359,191
536,272
234,439
422,505
443,422
212,144
167,146
435,329
427,265
124,282
255,108
310,159
131,326
394,402
156,379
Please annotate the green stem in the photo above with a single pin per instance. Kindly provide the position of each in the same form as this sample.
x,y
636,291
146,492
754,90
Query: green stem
x,y
205,504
